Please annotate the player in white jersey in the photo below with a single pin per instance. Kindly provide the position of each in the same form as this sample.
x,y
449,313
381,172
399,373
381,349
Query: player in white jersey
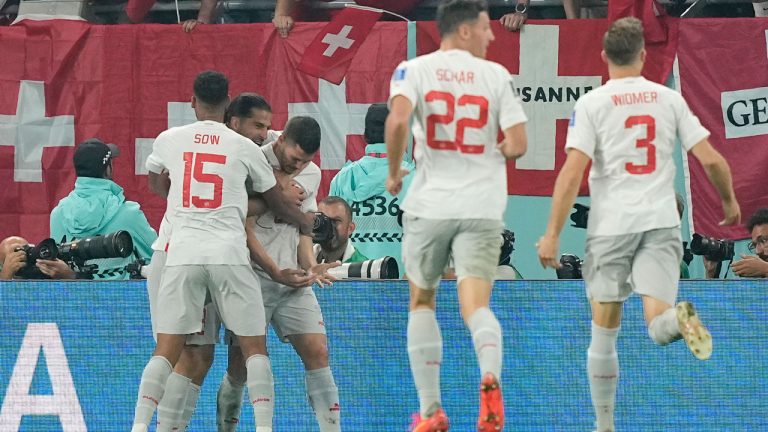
x,y
295,314
456,202
627,128
249,115
207,166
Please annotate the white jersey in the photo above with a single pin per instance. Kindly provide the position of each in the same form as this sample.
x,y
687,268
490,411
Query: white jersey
x,y
628,128
460,102
281,240
207,203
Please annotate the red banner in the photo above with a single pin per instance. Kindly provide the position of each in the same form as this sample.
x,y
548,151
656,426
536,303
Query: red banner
x,y
553,64
62,82
723,77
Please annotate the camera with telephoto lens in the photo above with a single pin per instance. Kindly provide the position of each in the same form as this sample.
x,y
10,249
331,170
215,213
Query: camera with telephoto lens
x,y
712,249
323,229
75,253
570,267
382,268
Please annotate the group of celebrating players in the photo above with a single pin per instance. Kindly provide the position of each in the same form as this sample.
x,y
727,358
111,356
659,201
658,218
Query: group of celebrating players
x,y
235,243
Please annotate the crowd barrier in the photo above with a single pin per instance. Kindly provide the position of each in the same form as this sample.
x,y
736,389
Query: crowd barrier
x,y
71,356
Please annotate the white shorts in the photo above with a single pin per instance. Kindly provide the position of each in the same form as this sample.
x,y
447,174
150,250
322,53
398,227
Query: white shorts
x,y
647,263
290,311
475,245
234,291
210,323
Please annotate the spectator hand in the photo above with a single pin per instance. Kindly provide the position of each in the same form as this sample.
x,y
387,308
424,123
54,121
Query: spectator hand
x,y
189,25
320,272
548,247
514,21
750,266
55,269
283,24
14,261
394,183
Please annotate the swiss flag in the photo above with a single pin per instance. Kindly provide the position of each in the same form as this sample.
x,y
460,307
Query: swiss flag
x,y
331,52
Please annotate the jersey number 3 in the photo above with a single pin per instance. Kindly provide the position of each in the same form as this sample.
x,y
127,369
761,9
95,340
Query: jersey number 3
x,y
193,167
461,124
646,143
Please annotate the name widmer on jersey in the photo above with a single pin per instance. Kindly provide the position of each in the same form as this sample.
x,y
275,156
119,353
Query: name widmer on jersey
x,y
635,98
207,139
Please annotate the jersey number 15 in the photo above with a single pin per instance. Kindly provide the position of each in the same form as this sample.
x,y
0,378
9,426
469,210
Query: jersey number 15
x,y
193,167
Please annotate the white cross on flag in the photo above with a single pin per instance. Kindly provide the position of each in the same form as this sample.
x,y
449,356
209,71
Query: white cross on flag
x,y
331,52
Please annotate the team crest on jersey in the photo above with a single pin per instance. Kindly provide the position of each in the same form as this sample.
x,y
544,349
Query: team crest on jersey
x,y
399,74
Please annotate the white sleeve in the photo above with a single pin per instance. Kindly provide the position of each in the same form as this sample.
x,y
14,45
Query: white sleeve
x,y
261,174
310,181
689,128
156,162
581,131
511,107
403,83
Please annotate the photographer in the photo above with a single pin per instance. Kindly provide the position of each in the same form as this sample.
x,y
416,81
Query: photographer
x,y
755,266
97,206
338,247
13,259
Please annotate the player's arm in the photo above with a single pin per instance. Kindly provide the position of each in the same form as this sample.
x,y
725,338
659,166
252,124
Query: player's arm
x,y
291,277
719,175
563,197
287,211
515,142
396,135
159,183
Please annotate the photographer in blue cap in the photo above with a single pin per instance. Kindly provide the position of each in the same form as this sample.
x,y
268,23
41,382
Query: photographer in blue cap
x,y
97,206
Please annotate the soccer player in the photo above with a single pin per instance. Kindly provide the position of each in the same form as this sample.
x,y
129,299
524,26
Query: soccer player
x,y
456,202
202,169
627,128
295,314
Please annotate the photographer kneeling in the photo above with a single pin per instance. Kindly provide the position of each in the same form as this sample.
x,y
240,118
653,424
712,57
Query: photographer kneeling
x,y
335,246
755,265
14,263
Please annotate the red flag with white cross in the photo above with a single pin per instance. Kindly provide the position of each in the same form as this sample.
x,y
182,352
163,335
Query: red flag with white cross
x,y
330,53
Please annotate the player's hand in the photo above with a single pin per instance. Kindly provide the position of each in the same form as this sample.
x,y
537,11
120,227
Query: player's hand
x,y
295,193
732,213
320,271
513,21
55,269
14,261
190,24
750,266
283,24
294,278
394,183
548,247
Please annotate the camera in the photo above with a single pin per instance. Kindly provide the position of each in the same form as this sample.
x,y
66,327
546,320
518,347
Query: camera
x,y
507,247
570,267
118,244
138,269
323,229
382,268
712,249
46,250
580,217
